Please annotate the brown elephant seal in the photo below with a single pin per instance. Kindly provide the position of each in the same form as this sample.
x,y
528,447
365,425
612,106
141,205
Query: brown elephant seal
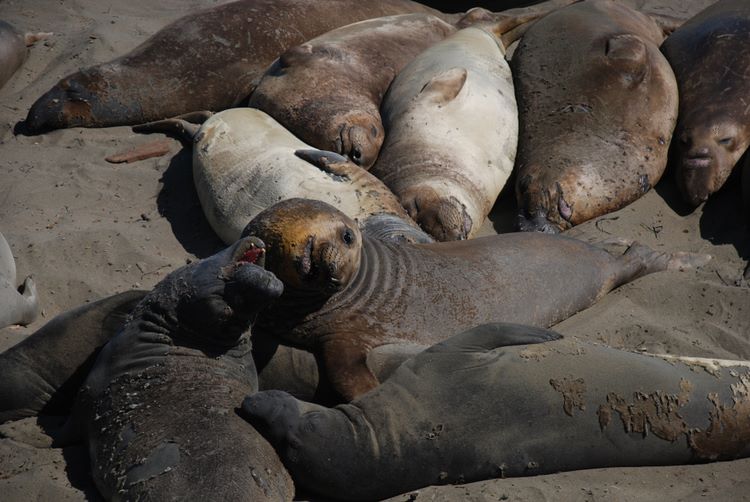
x,y
16,306
597,105
327,91
346,292
13,49
505,400
710,61
207,60
42,374
158,407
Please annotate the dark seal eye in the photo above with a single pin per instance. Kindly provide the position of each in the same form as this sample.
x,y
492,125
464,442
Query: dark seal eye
x,y
725,141
348,237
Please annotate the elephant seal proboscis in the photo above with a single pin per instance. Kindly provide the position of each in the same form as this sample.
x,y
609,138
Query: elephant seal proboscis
x,y
327,91
451,126
710,61
158,407
14,49
346,292
503,401
244,162
15,307
207,60
597,106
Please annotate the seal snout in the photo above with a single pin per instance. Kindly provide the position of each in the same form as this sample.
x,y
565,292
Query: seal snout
x,y
360,142
536,222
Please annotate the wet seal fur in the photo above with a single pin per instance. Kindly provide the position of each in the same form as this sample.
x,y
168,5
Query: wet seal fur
x,y
346,292
473,407
158,407
452,130
208,60
710,60
597,106
16,307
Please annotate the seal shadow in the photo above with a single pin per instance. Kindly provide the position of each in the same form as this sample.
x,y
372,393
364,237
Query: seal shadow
x,y
503,213
178,202
723,219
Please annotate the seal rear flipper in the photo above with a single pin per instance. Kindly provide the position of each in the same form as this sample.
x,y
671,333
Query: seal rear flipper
x,y
490,336
182,127
330,162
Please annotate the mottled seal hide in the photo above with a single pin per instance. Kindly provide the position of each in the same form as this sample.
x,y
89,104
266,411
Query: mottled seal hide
x,y
328,90
346,292
158,408
505,400
452,129
597,107
16,307
710,60
207,60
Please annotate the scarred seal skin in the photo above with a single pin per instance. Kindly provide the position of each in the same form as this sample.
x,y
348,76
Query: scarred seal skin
x,y
506,400
158,407
347,292
452,129
207,60
15,307
710,60
597,107
328,90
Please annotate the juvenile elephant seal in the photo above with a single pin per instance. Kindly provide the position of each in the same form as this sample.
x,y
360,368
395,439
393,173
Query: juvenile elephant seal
x,y
158,407
451,132
597,106
13,49
207,60
328,91
244,162
346,292
15,307
505,400
710,60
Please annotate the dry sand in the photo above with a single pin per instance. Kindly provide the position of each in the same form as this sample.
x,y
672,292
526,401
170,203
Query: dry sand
x,y
86,229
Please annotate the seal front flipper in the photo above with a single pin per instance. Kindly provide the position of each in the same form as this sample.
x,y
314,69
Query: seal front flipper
x,y
183,127
493,335
345,362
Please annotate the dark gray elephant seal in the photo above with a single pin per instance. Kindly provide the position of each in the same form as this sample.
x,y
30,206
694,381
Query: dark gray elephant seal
x,y
13,49
597,104
207,60
158,407
347,292
710,60
42,373
16,307
504,400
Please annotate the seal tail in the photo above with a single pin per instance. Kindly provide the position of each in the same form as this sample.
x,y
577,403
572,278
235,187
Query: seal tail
x,y
182,127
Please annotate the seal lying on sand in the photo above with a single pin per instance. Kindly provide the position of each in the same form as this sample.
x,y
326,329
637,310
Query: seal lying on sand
x,y
346,292
327,92
506,400
207,60
710,60
13,49
244,162
452,129
597,105
158,406
15,307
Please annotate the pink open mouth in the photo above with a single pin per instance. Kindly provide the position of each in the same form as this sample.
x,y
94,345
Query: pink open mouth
x,y
252,255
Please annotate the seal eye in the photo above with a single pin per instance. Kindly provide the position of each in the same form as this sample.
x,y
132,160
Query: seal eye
x,y
725,141
348,237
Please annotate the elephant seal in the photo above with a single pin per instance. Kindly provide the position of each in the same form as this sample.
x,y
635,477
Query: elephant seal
x,y
208,60
346,292
597,105
451,126
15,307
158,406
244,162
42,373
502,401
13,49
327,91
709,58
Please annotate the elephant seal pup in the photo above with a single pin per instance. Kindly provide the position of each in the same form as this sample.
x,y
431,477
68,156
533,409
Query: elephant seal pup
x,y
207,60
451,126
327,91
597,105
15,307
158,406
42,374
13,49
244,162
346,292
709,58
505,400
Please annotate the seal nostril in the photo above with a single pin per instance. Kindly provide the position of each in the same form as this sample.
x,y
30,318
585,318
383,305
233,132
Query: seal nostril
x,y
356,154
